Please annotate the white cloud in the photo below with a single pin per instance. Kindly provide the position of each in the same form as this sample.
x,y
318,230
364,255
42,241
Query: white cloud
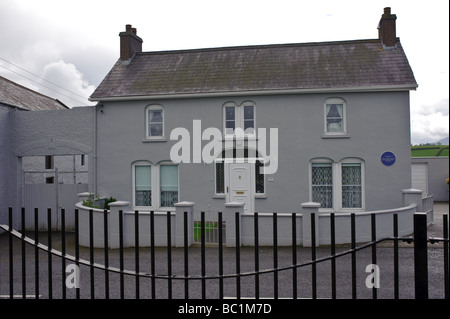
x,y
441,107
76,88
430,123
62,41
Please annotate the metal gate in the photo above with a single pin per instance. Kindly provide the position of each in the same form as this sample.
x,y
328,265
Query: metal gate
x,y
50,195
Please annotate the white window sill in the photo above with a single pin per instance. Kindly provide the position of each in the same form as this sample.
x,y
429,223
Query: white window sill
x,y
325,136
154,140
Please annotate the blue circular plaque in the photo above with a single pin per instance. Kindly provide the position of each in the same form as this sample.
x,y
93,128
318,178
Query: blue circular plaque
x,y
388,158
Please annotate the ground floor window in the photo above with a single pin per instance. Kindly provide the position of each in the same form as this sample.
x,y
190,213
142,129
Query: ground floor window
x,y
322,184
169,185
143,185
351,185
337,185
155,186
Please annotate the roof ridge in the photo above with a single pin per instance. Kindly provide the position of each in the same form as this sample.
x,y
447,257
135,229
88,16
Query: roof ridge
x,y
257,46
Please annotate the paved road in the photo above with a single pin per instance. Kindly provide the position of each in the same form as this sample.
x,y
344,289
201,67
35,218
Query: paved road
x,y
247,283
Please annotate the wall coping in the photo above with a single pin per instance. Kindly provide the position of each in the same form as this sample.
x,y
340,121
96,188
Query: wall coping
x,y
310,205
119,203
234,204
411,191
184,204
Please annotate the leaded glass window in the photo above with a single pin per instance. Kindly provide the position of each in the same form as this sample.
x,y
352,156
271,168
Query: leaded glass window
x,y
220,177
259,177
351,186
142,185
322,184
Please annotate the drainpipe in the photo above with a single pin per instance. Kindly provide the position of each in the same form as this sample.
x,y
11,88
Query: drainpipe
x,y
95,148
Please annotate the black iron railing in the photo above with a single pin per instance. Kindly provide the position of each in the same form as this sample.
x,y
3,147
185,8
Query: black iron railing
x,y
176,272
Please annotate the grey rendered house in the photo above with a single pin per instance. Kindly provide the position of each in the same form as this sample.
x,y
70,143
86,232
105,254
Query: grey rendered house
x,y
188,125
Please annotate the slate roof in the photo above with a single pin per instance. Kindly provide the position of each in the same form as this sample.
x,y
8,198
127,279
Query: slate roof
x,y
287,67
16,95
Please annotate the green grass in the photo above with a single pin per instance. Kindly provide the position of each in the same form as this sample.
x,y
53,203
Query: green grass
x,y
429,150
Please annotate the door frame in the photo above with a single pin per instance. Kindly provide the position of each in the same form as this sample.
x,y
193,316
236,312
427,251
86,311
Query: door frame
x,y
251,183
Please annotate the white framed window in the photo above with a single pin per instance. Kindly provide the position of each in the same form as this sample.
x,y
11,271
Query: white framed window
x,y
155,186
142,184
335,119
168,184
352,184
322,184
338,186
154,115
239,116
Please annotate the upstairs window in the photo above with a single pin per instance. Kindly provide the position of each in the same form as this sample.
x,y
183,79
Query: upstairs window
x,y
249,119
335,119
230,119
155,122
239,116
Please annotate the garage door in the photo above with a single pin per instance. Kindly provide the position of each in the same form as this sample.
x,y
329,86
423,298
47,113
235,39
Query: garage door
x,y
419,175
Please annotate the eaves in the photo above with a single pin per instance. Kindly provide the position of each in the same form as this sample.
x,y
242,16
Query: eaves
x,y
389,88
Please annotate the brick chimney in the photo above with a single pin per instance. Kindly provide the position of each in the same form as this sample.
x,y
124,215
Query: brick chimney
x,y
386,28
130,43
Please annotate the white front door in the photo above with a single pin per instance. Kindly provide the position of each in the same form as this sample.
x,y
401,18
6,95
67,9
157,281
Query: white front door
x,y
239,185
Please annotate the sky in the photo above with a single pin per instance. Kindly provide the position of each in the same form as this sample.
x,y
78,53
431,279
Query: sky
x,y
64,49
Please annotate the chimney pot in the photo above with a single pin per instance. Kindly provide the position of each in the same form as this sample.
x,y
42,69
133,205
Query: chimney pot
x,y
130,44
386,28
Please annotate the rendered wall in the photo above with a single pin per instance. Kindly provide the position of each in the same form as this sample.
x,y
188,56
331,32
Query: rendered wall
x,y
438,172
377,122
37,133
